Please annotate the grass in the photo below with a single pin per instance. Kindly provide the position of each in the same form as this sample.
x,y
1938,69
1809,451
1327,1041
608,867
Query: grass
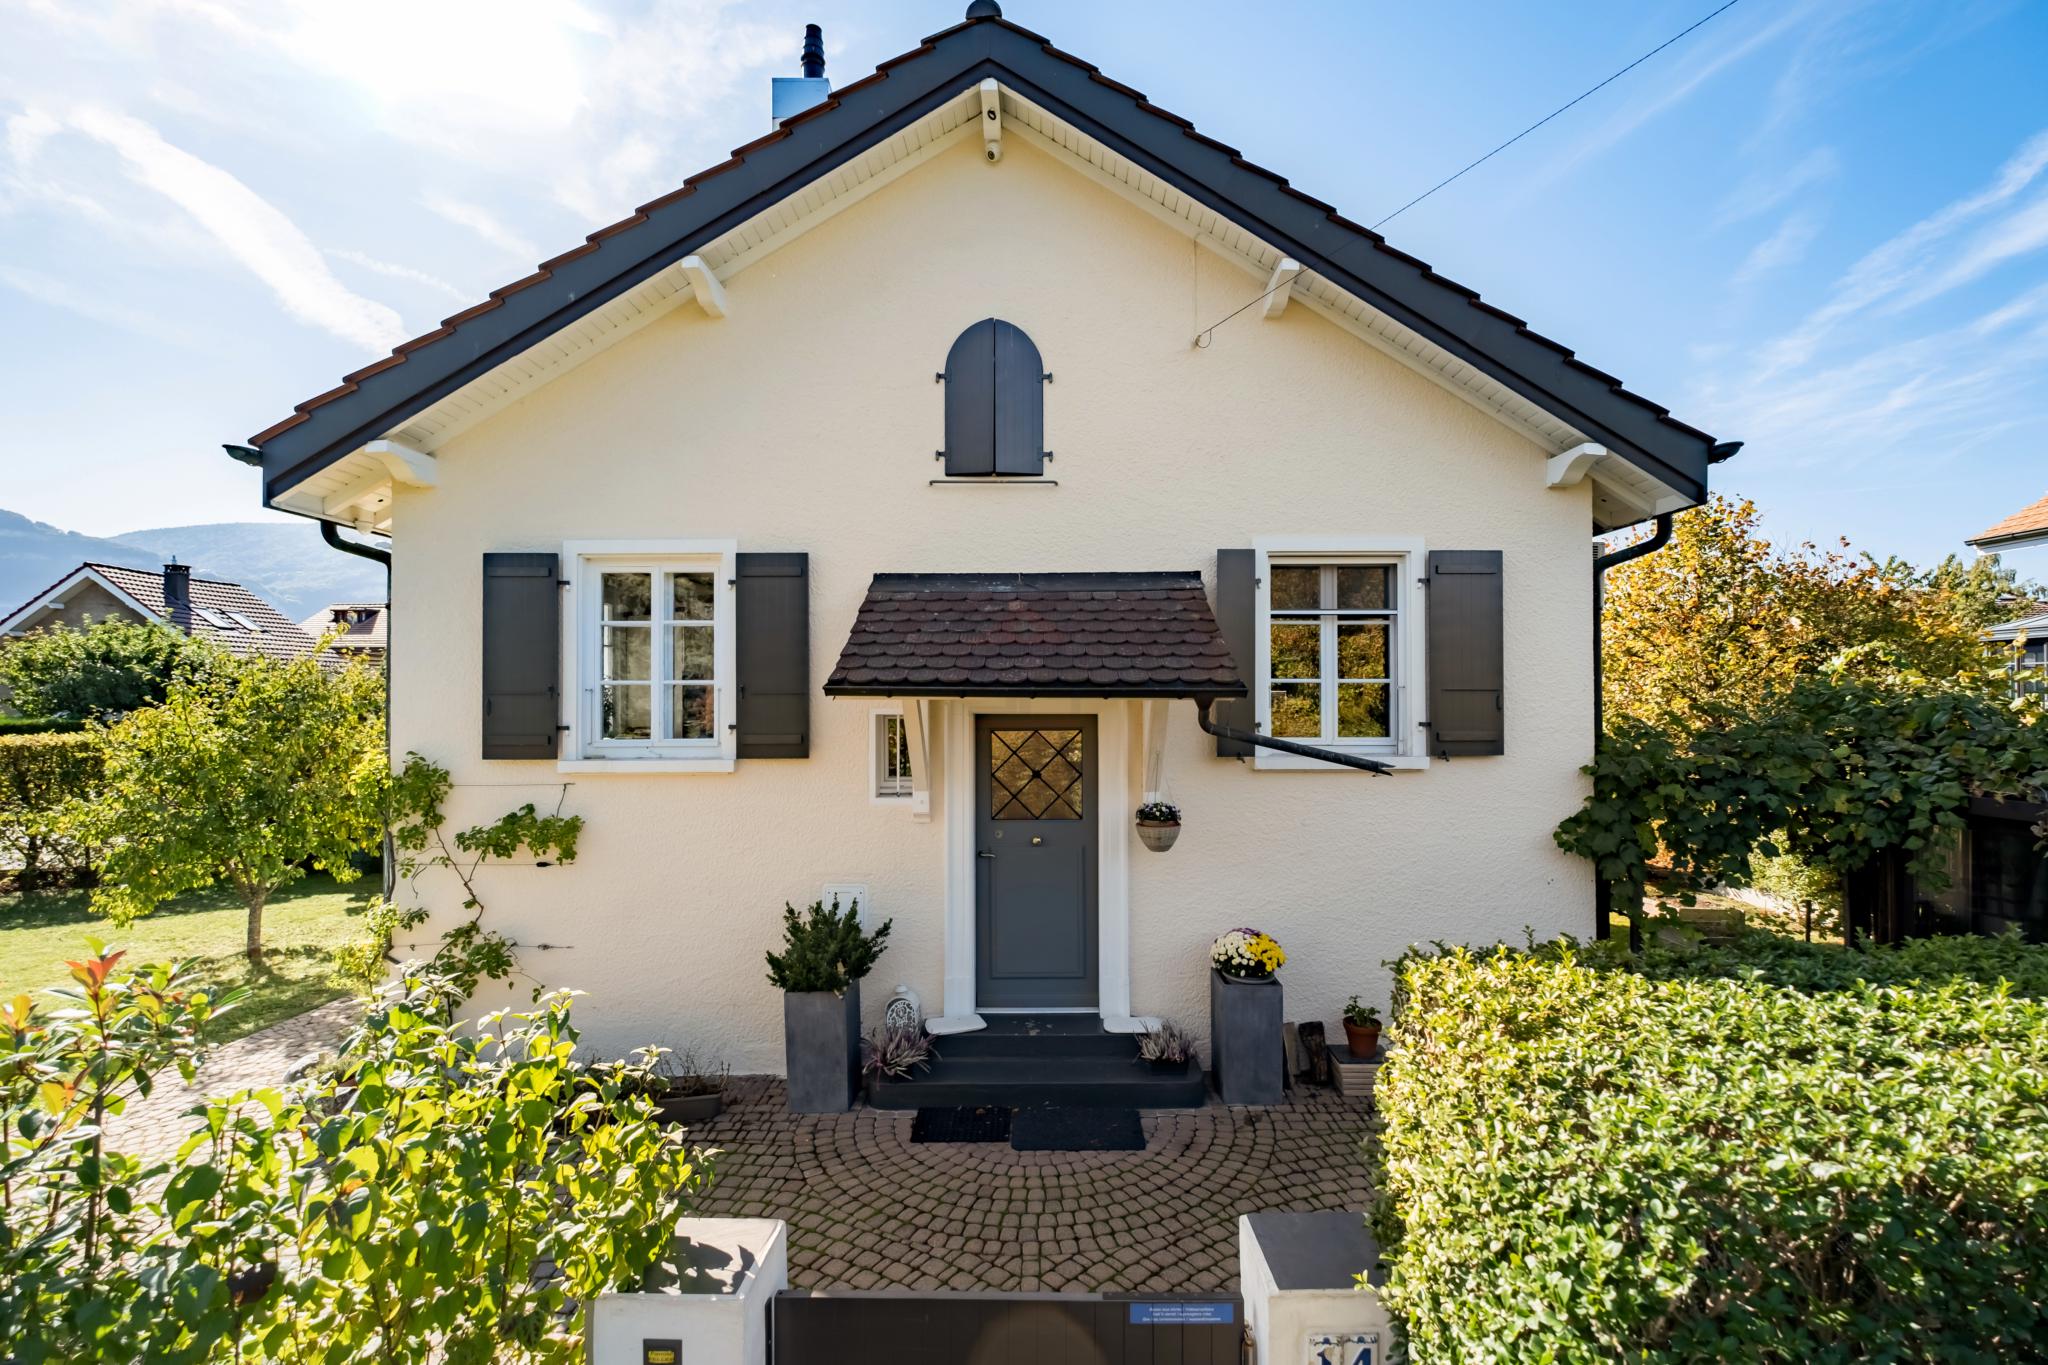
x,y
40,931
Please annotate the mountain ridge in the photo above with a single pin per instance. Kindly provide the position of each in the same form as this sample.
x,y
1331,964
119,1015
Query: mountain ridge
x,y
285,563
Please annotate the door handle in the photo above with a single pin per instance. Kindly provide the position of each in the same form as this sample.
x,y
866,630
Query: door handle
x,y
984,854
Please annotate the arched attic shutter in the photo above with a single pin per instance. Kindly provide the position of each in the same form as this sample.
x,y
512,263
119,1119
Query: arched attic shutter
x,y
995,403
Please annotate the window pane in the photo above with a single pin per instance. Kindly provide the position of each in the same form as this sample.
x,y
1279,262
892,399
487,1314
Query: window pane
x,y
1297,649
1365,587
1298,587
627,653
690,652
1361,710
628,596
1362,650
690,712
1298,710
625,712
692,601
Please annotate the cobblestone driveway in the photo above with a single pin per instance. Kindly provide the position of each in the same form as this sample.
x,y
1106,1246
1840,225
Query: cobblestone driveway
x,y
868,1210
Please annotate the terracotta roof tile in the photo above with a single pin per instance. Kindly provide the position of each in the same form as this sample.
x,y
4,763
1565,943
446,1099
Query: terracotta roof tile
x,y
2028,524
1114,634
276,635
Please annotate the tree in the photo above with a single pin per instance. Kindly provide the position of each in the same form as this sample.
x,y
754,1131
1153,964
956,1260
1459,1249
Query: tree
x,y
244,776
106,669
1723,618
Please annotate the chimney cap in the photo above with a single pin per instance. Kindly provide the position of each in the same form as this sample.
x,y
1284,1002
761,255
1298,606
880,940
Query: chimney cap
x,y
984,9
814,52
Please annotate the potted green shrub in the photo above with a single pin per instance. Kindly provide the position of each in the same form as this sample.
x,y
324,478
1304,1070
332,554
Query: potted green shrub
x,y
1247,1054
825,953
1362,1028
1158,825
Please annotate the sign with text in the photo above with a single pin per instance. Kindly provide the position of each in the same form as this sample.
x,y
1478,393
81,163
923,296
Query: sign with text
x,y
1343,1348
1181,1312
660,1352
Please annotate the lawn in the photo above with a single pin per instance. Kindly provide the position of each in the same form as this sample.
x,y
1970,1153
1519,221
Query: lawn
x,y
40,931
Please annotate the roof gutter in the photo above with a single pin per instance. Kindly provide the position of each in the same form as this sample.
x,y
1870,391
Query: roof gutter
x,y
1285,746
331,533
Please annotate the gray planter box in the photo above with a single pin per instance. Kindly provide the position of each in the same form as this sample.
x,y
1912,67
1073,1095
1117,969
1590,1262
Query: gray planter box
x,y
1246,1045
821,1044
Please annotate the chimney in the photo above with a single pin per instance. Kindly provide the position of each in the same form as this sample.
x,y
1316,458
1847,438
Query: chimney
x,y
177,587
791,95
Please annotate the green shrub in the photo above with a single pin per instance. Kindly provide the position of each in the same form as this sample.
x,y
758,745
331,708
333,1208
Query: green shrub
x,y
105,669
438,1193
38,775
39,725
1770,1151
824,950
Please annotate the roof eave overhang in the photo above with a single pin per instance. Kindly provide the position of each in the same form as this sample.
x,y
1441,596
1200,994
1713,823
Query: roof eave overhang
x,y
374,402
2018,540
1047,693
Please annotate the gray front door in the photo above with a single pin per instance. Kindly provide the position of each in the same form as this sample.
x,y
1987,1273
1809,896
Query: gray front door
x,y
1035,827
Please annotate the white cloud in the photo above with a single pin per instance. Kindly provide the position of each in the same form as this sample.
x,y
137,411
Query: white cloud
x,y
1784,247
1759,194
252,230
1910,258
391,270
484,224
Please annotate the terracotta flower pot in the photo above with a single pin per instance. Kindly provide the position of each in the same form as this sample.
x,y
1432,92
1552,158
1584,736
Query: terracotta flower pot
x,y
1364,1038
1157,836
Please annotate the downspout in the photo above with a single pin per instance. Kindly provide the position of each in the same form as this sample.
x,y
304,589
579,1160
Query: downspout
x,y
1285,746
1603,894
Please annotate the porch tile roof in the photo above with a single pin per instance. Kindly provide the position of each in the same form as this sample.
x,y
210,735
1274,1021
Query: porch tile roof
x,y
1039,635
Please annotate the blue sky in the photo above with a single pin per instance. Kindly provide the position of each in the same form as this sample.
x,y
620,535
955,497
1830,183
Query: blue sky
x,y
1815,225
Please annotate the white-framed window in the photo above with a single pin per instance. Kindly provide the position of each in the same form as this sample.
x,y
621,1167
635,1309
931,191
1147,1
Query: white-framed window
x,y
2029,667
651,648
889,757
1340,647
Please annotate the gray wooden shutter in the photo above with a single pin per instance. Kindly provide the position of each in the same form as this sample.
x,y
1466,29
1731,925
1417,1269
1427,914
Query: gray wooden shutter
x,y
1020,403
971,402
1237,612
522,656
1466,655
773,644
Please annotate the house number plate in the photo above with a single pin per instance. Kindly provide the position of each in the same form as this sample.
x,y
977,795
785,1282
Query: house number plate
x,y
1343,1348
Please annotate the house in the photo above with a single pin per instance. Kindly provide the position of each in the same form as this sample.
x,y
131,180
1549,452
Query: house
x,y
893,507
2023,644
228,614
2026,527
360,629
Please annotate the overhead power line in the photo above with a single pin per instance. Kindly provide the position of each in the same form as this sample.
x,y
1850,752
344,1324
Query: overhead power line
x,y
1697,23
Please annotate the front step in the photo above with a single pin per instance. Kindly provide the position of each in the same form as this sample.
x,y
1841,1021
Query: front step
x,y
1026,1061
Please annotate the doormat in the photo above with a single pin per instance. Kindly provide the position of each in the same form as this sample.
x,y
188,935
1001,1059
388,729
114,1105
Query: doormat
x,y
987,1123
1077,1130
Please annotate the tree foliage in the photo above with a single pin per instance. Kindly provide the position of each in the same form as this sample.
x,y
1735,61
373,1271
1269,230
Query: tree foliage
x,y
1776,1152
1839,765
106,669
440,1193
1723,619
245,775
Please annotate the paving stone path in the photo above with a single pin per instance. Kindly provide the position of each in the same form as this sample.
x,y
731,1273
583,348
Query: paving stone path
x,y
156,1126
869,1210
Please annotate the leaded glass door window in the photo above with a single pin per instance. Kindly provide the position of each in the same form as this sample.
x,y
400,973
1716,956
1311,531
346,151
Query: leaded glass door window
x,y
1035,774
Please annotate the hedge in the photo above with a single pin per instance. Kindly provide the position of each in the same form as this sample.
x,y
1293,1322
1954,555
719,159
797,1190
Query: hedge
x,y
38,774
39,725
1769,1152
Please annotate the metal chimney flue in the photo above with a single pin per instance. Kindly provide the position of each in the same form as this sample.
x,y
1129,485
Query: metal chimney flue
x,y
789,96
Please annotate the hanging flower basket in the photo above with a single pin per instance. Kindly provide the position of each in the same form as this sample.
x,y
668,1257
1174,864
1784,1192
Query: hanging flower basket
x,y
1158,825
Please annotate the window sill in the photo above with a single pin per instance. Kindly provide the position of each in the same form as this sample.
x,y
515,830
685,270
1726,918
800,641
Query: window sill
x,y
708,764
1267,760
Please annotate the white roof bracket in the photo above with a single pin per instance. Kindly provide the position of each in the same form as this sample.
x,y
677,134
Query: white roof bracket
x,y
992,119
1570,467
1280,288
710,293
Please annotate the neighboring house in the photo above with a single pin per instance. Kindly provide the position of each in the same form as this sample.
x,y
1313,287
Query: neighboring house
x,y
2026,527
361,628
669,533
226,613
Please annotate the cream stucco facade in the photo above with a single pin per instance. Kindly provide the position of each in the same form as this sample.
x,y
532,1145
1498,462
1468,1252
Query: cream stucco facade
x,y
806,419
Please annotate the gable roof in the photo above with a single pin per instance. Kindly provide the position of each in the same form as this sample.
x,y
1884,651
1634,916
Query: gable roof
x,y
2028,526
848,143
274,635
363,626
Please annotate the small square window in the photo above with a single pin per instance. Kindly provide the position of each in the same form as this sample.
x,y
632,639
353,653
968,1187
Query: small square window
x,y
891,747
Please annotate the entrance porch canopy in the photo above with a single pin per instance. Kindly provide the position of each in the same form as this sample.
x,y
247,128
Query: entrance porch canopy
x,y
1149,635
